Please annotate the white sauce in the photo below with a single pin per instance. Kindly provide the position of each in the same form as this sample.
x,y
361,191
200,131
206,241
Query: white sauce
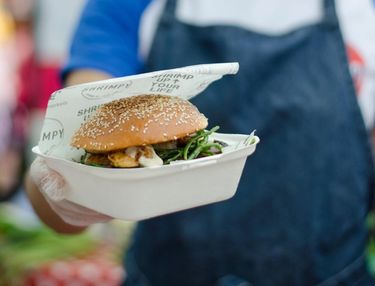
x,y
155,160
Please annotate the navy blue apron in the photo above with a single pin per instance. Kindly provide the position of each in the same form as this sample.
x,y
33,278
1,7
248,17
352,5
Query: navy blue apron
x,y
299,212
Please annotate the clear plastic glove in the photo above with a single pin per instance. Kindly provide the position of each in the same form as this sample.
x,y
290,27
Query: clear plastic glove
x,y
53,187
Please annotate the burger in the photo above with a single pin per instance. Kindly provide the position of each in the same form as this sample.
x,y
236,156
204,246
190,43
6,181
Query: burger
x,y
144,131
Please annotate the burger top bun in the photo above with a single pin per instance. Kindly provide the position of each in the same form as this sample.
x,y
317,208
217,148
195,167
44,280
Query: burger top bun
x,y
138,120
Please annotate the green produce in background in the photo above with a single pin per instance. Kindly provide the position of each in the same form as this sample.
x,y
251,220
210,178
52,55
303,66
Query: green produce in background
x,y
22,250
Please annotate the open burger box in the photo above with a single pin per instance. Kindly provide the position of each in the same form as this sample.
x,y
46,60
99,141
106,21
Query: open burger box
x,y
140,193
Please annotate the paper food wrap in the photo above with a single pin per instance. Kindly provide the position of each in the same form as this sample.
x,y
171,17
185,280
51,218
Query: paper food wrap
x,y
68,108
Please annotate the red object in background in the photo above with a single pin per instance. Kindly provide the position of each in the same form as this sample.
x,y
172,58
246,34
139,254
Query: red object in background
x,y
37,83
357,67
50,82
37,79
82,272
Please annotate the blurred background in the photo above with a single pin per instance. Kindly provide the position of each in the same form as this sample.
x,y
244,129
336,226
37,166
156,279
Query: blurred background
x,y
34,40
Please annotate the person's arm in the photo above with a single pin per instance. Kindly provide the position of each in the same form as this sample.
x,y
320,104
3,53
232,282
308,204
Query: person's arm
x,y
85,75
44,211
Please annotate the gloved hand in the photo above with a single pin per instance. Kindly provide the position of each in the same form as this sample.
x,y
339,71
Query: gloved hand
x,y
53,187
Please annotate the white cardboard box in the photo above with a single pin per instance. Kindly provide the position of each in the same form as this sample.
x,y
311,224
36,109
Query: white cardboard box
x,y
140,193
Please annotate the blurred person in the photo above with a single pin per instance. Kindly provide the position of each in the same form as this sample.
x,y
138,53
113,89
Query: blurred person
x,y
31,56
31,71
10,163
306,83
40,55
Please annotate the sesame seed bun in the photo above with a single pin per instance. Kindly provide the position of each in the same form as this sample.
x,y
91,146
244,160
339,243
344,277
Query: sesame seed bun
x,y
138,120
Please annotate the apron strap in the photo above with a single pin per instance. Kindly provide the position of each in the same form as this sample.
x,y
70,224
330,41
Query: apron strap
x,y
170,8
330,16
